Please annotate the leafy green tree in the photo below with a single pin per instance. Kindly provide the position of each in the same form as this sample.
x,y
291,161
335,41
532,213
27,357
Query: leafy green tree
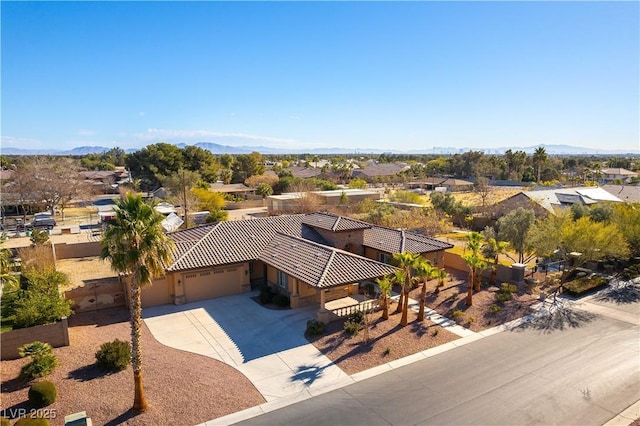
x,y
513,228
247,165
41,302
135,244
180,185
626,216
200,161
39,237
154,161
601,212
264,190
358,183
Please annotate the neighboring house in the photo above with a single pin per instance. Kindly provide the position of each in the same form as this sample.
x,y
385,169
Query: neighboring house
x,y
296,201
304,172
626,193
240,190
312,258
617,174
437,183
372,170
547,201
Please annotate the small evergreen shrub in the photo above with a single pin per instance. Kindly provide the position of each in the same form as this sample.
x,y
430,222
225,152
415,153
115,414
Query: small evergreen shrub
x,y
495,309
506,292
42,363
32,421
351,328
387,351
356,317
315,328
42,394
114,356
280,300
457,313
266,295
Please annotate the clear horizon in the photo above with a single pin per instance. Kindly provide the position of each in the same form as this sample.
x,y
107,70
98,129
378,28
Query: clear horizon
x,y
297,75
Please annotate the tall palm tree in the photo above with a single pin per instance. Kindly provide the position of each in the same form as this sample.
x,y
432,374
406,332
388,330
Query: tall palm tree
x,y
406,262
136,245
474,241
385,285
492,249
424,272
539,158
475,264
399,277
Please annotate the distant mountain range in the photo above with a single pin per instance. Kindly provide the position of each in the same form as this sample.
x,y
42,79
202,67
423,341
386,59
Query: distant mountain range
x,y
227,149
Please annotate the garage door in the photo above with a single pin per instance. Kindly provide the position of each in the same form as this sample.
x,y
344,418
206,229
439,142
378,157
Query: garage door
x,y
211,284
156,294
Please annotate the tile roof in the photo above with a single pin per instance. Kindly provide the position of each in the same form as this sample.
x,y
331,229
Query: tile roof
x,y
395,241
319,265
332,222
234,241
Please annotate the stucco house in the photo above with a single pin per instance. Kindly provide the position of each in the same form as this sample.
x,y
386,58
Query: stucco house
x,y
619,174
312,258
547,201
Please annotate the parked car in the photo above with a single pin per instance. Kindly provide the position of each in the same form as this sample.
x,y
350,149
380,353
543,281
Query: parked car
x,y
42,223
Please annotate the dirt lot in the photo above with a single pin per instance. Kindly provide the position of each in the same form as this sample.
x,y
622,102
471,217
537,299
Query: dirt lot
x,y
85,269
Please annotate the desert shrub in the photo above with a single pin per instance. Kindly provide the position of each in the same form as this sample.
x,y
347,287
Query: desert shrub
x,y
281,300
32,421
42,362
494,309
266,295
506,292
356,317
42,394
453,297
315,328
456,313
114,356
581,285
351,328
387,351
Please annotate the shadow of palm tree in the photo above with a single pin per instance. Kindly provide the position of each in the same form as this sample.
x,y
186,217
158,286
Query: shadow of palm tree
x,y
419,328
308,374
88,372
122,418
620,293
556,319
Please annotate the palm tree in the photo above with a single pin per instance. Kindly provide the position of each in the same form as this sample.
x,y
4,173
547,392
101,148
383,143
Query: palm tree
x,y
474,240
7,276
441,275
399,277
136,245
474,263
539,158
492,249
385,285
424,272
406,262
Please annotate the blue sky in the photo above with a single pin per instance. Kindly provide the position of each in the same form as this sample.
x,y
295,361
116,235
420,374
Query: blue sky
x,y
381,75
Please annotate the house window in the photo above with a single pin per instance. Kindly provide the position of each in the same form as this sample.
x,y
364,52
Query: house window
x,y
283,279
384,257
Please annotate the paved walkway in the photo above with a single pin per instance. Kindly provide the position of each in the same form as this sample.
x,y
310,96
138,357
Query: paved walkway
x,y
267,346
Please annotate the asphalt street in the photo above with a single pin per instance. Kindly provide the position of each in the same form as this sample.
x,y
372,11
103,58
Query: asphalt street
x,y
575,367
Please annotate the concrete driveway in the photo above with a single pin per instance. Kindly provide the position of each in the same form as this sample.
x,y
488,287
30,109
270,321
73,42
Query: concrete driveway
x,y
267,346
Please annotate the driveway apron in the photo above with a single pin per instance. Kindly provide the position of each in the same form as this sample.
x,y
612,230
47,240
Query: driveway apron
x,y
267,346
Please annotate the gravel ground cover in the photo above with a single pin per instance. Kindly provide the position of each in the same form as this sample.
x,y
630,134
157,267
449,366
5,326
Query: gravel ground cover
x,y
182,388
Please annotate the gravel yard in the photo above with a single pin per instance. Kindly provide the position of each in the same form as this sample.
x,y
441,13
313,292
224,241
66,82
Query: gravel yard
x,y
182,388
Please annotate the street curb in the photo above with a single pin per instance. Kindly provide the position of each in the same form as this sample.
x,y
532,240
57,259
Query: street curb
x,y
627,417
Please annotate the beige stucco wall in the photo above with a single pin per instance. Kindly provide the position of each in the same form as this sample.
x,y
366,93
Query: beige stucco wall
x,y
56,334
69,251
